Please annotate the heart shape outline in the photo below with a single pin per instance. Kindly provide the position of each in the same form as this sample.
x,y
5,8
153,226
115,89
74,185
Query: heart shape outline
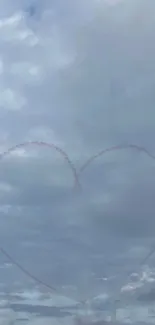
x,y
76,175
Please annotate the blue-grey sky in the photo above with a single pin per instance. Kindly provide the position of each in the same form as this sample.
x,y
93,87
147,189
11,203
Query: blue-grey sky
x,y
81,75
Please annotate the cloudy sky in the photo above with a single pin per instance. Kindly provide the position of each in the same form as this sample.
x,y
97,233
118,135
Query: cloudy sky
x,y
77,76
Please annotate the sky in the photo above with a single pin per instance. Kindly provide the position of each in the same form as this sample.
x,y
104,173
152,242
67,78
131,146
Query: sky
x,y
76,78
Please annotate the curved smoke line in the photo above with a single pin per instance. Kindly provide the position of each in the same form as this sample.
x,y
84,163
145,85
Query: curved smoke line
x,y
26,272
114,148
73,169
48,145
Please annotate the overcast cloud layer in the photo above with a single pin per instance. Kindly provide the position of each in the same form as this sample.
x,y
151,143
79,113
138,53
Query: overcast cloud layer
x,y
80,75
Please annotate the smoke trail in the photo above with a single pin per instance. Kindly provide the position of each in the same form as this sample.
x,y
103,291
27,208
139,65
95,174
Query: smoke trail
x,y
20,267
73,169
76,179
147,257
120,147
114,148
48,145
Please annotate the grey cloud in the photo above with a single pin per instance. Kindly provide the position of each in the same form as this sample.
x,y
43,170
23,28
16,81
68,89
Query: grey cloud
x,y
147,297
87,83
40,310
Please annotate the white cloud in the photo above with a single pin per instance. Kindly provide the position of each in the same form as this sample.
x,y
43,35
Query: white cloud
x,y
5,187
11,100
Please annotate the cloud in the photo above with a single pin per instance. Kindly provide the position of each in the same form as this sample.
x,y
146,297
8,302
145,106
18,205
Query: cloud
x,y
34,306
147,297
79,75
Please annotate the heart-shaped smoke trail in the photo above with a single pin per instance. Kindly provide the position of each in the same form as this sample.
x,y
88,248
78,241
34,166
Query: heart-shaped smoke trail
x,y
77,183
